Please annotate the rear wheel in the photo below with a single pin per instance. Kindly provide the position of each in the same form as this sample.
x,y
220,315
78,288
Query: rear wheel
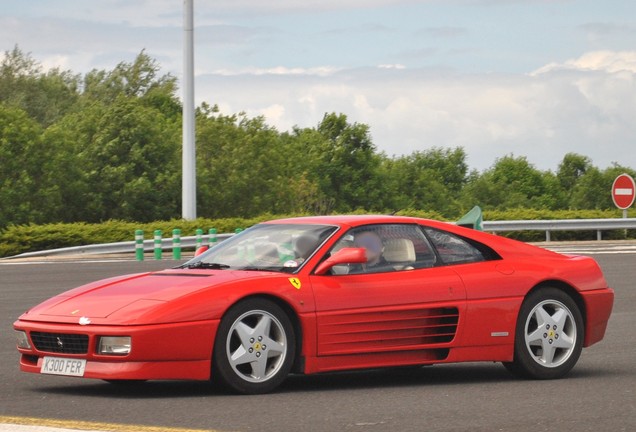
x,y
548,337
254,347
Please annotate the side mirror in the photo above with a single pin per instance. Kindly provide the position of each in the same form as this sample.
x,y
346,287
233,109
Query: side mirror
x,y
201,250
343,256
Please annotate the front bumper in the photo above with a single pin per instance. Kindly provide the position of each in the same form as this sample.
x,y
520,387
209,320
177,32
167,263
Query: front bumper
x,y
162,351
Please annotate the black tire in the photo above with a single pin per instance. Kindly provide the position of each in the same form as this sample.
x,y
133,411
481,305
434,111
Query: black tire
x,y
254,347
549,335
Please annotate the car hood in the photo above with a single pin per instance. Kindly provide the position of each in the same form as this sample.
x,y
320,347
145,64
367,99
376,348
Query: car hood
x,y
130,295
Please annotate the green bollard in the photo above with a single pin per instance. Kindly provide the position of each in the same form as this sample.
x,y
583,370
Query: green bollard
x,y
199,241
139,245
176,243
158,251
212,236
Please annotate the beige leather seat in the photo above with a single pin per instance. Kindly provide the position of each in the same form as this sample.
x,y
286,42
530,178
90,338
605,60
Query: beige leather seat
x,y
400,253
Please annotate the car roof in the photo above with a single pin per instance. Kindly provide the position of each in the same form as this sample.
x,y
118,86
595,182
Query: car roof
x,y
349,220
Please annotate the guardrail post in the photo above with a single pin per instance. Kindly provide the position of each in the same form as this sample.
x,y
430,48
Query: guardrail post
x,y
199,238
547,236
176,243
158,251
599,235
212,239
139,245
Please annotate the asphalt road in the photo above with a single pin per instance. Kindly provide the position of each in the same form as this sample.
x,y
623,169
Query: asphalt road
x,y
598,395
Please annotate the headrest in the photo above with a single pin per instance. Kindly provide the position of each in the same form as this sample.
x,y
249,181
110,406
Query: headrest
x,y
399,250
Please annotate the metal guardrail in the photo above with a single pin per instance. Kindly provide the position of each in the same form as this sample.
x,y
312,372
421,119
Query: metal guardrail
x,y
118,248
598,225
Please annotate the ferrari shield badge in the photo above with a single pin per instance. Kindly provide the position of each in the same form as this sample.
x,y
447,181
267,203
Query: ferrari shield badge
x,y
295,282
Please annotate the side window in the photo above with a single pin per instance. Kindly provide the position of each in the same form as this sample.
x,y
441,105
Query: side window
x,y
453,249
390,247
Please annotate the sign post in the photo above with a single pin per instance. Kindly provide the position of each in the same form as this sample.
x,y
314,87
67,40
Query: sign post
x,y
624,192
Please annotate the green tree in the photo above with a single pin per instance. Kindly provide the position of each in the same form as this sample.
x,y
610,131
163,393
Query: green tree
x,y
138,79
591,191
347,165
45,96
301,173
570,170
240,166
115,161
427,180
20,167
64,185
131,163
512,182
305,165
117,155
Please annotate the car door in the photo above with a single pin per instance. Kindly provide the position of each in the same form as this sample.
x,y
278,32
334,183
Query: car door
x,y
408,304
494,292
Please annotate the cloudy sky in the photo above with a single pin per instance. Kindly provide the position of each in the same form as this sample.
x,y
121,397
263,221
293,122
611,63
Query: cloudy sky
x,y
533,78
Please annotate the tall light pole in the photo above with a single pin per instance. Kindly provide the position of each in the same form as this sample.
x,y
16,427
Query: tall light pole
x,y
188,172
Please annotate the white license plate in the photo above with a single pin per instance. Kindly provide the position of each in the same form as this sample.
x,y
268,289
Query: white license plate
x,y
63,366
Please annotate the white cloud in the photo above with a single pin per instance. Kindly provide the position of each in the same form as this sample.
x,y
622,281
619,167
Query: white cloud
x,y
279,70
274,113
542,116
392,66
608,61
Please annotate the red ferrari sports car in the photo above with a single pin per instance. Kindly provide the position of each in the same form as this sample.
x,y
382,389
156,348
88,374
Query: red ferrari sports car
x,y
319,294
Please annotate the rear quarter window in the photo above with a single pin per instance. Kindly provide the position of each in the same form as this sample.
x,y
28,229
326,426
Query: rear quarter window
x,y
453,249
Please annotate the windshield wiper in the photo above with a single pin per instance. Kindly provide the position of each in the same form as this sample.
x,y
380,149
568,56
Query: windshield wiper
x,y
205,265
256,268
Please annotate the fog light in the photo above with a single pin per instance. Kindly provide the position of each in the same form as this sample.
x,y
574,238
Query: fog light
x,y
22,339
114,345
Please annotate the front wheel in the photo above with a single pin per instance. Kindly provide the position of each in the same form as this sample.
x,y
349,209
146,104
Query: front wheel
x,y
254,347
548,337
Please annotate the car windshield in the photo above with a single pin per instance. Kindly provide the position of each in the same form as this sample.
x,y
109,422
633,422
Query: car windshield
x,y
269,247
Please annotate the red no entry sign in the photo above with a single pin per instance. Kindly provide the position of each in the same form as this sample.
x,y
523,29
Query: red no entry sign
x,y
623,191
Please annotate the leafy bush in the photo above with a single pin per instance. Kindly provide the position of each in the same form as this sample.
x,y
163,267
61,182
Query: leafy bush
x,y
543,214
17,239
